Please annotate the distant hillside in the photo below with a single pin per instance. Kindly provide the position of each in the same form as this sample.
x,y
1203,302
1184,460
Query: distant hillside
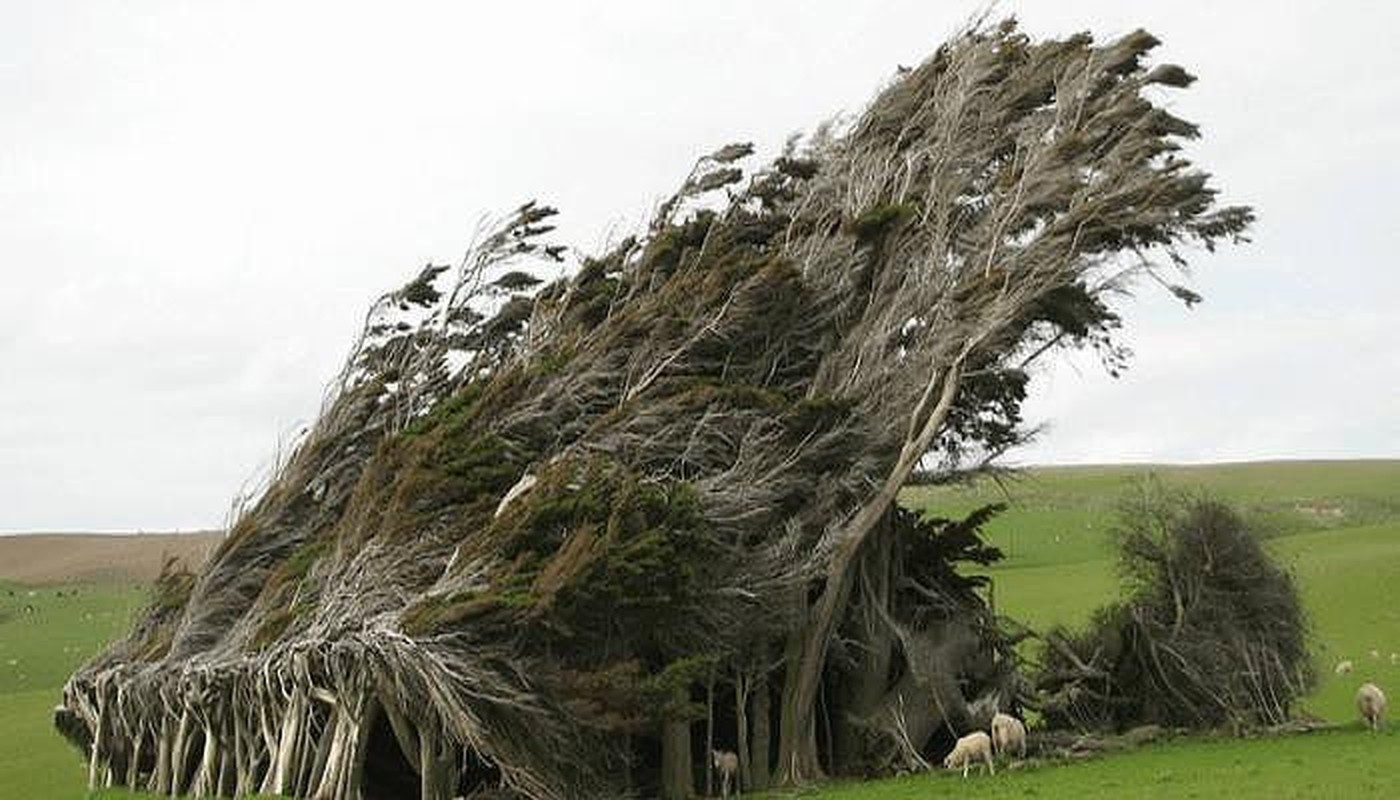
x,y
68,557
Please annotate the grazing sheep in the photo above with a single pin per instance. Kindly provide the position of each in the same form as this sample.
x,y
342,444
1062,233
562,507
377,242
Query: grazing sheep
x,y
728,765
975,745
1370,701
1394,659
1008,735
1376,654
1343,667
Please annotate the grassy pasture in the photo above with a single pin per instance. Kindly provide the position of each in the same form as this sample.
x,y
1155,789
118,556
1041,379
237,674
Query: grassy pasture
x,y
1341,764
38,650
1336,524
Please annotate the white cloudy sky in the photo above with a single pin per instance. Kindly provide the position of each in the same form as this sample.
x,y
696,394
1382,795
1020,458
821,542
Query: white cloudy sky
x,y
197,199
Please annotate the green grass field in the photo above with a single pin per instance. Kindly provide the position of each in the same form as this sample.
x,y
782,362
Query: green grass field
x,y
1341,764
38,650
1335,524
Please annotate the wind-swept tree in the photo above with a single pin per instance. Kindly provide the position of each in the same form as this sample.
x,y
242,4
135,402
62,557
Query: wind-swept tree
x,y
539,533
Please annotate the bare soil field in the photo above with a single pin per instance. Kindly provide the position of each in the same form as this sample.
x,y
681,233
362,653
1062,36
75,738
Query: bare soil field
x,y
40,558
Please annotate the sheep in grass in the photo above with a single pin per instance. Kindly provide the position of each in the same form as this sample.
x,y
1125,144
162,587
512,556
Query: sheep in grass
x,y
1008,735
727,764
1370,701
975,745
1343,667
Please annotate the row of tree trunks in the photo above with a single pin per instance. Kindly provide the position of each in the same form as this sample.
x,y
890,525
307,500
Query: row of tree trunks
x,y
314,743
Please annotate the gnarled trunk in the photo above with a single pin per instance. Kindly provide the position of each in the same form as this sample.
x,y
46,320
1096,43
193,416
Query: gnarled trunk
x,y
677,772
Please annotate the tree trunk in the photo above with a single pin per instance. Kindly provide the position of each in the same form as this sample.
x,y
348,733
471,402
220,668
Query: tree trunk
x,y
797,741
866,685
98,742
133,766
438,765
760,769
207,774
356,777
179,755
160,778
309,778
741,730
710,734
284,768
677,773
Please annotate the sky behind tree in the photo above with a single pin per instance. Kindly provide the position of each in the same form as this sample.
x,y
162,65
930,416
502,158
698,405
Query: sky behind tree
x,y
199,200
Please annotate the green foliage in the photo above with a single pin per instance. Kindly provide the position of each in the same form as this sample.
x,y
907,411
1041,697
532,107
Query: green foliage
x,y
455,411
420,291
592,552
517,281
811,414
551,361
652,554
274,625
592,292
799,168
624,697
172,588
292,569
666,247
284,587
879,220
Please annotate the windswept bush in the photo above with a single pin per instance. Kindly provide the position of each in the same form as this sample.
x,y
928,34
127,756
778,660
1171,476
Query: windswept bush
x,y
1212,631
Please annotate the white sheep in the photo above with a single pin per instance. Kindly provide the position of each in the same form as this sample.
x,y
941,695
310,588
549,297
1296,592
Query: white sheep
x,y
1376,655
975,745
1343,667
1394,659
1370,701
727,763
1008,734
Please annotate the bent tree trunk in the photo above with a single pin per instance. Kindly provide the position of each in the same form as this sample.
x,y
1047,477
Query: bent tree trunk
x,y
797,760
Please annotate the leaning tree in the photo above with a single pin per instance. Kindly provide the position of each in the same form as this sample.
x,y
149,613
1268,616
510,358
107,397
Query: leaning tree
x,y
552,541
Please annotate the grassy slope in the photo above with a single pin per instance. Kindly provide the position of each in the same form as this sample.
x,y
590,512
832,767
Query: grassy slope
x,y
1346,556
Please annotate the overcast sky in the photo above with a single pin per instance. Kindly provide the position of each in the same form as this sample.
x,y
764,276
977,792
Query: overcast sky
x,y
197,201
